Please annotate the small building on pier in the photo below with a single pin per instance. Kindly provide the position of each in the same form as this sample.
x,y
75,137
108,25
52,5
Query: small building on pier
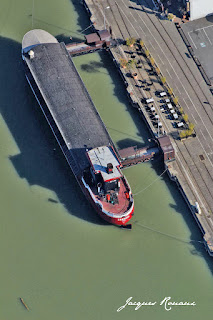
x,y
166,147
98,37
93,41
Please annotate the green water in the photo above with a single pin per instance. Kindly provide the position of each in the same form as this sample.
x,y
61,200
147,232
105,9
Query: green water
x,y
55,253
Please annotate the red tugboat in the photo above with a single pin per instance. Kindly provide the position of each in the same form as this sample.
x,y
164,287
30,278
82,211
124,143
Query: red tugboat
x,y
106,187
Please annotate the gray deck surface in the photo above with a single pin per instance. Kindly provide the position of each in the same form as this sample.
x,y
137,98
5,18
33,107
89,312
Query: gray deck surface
x,y
35,37
200,35
68,100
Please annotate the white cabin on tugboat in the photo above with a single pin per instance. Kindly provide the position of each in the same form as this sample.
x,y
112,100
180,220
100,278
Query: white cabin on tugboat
x,y
108,187
105,168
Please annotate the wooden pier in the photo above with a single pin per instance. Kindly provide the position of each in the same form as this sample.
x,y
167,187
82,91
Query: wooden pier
x,y
163,148
132,156
95,41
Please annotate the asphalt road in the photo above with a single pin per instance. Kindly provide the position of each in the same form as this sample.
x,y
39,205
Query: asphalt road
x,y
200,35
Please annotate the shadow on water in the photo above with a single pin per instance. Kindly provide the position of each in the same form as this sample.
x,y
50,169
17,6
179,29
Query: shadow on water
x,y
129,143
40,160
121,95
93,66
124,133
180,206
83,20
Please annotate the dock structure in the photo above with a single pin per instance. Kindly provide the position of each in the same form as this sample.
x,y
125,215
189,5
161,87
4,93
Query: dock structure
x,y
93,42
132,155
63,98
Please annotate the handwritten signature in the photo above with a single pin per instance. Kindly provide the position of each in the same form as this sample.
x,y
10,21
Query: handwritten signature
x,y
167,303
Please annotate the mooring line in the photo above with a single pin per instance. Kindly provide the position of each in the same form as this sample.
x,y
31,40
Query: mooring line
x,y
167,235
135,194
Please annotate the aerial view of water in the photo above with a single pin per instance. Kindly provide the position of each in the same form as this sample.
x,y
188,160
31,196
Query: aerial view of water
x,y
55,252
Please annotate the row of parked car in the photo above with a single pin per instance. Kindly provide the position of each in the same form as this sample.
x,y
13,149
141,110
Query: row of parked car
x,y
165,107
154,117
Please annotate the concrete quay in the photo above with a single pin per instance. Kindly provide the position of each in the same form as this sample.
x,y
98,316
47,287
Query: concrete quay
x,y
192,170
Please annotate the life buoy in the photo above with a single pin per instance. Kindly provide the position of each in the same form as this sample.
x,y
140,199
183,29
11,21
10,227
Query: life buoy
x,y
127,195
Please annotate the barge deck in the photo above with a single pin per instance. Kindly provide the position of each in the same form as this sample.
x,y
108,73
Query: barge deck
x,y
76,124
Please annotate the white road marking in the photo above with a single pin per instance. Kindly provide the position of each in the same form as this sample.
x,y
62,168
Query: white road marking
x,y
192,39
142,30
147,29
202,134
127,17
151,45
193,186
194,118
210,149
204,28
175,72
178,90
205,151
191,102
210,220
160,59
207,36
207,144
169,73
133,16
